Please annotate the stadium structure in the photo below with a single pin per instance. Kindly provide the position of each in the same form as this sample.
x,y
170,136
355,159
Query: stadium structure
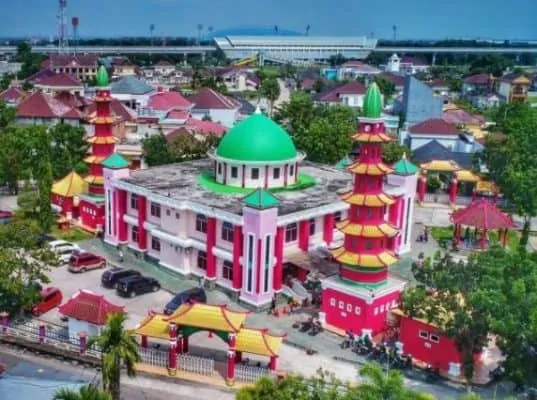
x,y
293,49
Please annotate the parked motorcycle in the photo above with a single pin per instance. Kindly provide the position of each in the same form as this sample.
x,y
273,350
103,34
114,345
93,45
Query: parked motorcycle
x,y
432,374
306,326
315,329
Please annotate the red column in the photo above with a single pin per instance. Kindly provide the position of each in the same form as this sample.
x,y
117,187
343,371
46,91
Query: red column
x,y
266,176
172,353
273,363
83,340
394,212
422,185
258,264
210,243
179,343
120,213
304,235
453,191
142,215
328,228
237,254
144,342
278,251
458,234
230,380
185,344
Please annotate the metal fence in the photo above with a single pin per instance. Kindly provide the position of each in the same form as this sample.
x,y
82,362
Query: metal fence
x,y
157,358
250,374
195,364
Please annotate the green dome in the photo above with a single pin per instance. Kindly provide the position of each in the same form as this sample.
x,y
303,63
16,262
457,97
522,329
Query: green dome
x,y
373,102
102,77
257,138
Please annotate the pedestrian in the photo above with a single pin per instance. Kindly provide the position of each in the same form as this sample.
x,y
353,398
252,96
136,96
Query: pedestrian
x,y
202,282
426,234
272,305
120,255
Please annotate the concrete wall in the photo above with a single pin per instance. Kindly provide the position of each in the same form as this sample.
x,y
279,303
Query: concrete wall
x,y
419,102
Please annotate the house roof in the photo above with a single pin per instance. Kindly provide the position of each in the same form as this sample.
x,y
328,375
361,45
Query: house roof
x,y
510,78
412,60
206,127
163,63
12,94
261,199
456,116
61,60
70,186
333,93
479,79
359,65
404,167
437,83
210,99
482,214
436,126
70,99
60,79
206,316
434,150
178,114
131,85
115,161
163,101
397,80
246,108
41,105
89,307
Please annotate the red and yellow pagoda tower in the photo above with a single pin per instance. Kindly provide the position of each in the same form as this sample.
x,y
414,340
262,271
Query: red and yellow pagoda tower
x,y
360,297
102,145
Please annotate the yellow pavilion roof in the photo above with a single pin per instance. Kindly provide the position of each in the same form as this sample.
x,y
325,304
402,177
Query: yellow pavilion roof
x,y
383,259
370,200
102,120
102,140
70,186
94,159
467,176
95,180
370,169
372,138
441,166
486,186
155,326
258,341
211,317
368,231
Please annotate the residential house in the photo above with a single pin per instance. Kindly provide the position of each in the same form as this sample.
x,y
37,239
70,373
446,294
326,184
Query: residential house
x,y
478,85
436,151
132,91
218,107
419,103
43,108
439,86
59,82
164,68
12,96
83,66
355,69
198,128
432,129
159,104
123,67
514,88
238,79
397,80
350,94
405,65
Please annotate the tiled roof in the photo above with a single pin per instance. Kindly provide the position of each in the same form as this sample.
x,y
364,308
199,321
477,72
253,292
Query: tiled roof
x,y
512,76
434,150
163,63
479,79
211,317
333,94
60,60
412,60
206,127
41,105
359,65
71,185
131,85
436,126
70,99
482,214
437,83
163,101
246,108
178,114
90,307
210,99
115,161
40,75
459,116
261,199
60,79
397,80
12,94
118,109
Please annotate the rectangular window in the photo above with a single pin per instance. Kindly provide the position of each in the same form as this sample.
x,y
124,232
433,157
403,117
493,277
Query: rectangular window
x,y
333,302
341,305
434,338
354,243
349,307
201,223
155,244
134,201
376,311
234,172
202,260
337,216
227,232
268,258
255,173
369,213
168,213
291,170
382,308
312,226
227,270
291,232
134,234
250,263
219,168
423,334
276,173
357,310
155,210
368,244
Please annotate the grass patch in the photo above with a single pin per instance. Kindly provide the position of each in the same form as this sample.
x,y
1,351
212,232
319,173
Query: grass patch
x,y
206,180
72,234
441,234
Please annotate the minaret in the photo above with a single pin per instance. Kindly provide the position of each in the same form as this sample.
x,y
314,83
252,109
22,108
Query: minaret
x,y
102,142
364,256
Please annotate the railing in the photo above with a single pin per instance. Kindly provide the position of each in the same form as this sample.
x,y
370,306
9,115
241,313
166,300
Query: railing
x,y
156,358
195,364
250,374
439,198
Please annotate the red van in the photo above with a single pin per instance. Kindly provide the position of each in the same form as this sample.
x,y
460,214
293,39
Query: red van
x,y
82,262
51,297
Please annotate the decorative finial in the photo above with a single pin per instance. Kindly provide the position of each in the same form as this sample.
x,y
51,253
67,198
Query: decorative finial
x,y
102,77
404,156
258,110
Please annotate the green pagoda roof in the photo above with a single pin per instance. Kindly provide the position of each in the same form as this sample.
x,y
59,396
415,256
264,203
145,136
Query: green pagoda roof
x,y
115,161
102,77
404,167
343,163
261,199
373,102
257,138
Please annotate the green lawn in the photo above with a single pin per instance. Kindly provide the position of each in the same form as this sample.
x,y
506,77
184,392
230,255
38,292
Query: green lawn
x,y
441,234
72,234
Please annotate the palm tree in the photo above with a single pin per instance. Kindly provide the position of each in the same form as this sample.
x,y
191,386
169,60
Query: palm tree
x,y
118,346
86,392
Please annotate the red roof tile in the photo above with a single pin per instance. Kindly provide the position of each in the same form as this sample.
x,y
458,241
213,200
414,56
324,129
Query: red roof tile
x,y
412,60
12,94
479,79
62,61
163,101
206,127
333,94
163,63
60,79
435,126
459,116
482,214
90,307
209,99
70,99
178,114
397,80
41,105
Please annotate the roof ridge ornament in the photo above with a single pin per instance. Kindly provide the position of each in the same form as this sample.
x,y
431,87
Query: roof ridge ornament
x,y
258,110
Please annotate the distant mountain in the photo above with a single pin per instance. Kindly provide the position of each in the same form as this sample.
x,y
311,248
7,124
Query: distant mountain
x,y
256,31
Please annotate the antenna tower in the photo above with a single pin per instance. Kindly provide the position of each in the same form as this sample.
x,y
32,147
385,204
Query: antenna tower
x,y
62,28
75,21
394,30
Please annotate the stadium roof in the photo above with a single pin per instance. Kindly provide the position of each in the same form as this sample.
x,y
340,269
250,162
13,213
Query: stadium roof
x,y
360,41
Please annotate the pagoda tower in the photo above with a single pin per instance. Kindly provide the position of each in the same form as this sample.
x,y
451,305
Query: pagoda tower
x,y
102,146
360,297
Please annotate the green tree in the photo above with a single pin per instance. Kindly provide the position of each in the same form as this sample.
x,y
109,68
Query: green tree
x,y
68,149
156,151
494,64
5,81
387,87
319,85
297,114
270,89
393,152
31,63
119,348
86,392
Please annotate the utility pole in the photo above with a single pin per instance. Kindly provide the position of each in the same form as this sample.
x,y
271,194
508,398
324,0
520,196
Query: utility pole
x,y
62,28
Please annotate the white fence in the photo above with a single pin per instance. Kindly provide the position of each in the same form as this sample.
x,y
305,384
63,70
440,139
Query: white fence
x,y
195,364
157,358
250,374
440,198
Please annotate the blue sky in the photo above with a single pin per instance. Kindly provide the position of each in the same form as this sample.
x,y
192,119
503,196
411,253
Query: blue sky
x,y
515,19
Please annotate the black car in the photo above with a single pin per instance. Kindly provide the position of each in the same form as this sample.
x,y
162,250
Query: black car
x,y
111,277
191,295
135,285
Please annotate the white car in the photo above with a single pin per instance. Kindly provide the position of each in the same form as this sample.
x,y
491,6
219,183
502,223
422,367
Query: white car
x,y
65,253
57,245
